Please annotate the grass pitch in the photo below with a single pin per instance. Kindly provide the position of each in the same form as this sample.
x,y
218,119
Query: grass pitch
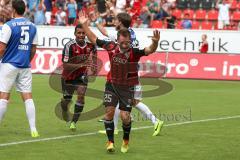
x,y
190,100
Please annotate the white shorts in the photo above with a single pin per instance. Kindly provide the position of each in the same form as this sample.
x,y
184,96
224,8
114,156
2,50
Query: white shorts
x,y
138,92
222,23
10,76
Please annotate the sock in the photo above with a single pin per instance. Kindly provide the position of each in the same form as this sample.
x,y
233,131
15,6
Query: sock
x,y
78,108
3,108
116,116
146,112
109,127
65,110
30,111
126,131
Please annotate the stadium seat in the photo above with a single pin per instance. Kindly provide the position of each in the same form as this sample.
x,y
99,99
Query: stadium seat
x,y
182,4
194,4
156,24
234,5
195,25
207,4
207,25
236,16
200,14
212,14
177,13
190,12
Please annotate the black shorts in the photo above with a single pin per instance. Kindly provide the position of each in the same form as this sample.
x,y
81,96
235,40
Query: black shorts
x,y
115,94
70,86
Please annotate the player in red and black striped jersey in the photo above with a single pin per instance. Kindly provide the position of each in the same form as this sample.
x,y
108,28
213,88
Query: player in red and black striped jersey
x,y
122,78
79,59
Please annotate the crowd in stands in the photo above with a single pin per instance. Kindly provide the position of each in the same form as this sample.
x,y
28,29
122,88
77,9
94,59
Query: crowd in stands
x,y
180,14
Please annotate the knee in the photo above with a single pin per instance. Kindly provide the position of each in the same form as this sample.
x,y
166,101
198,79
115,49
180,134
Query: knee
x,y
135,102
109,113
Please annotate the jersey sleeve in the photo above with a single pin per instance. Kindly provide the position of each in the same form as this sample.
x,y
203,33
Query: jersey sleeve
x,y
35,39
101,43
139,52
66,54
6,34
112,37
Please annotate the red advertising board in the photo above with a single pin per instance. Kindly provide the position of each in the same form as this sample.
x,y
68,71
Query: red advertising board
x,y
178,65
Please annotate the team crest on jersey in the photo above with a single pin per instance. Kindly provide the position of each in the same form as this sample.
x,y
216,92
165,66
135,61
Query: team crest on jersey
x,y
66,58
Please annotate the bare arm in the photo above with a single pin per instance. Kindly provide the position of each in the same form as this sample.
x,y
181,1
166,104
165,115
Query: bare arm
x,y
83,20
2,48
33,51
217,4
153,47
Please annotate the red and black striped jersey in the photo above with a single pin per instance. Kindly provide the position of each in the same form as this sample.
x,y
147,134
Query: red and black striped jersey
x,y
73,53
123,66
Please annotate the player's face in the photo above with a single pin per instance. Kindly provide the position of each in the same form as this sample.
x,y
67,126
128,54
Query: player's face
x,y
124,43
117,24
80,34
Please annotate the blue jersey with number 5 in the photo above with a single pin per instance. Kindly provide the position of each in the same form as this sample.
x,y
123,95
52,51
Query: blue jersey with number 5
x,y
19,35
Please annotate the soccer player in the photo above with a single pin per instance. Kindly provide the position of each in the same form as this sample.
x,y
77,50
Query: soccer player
x,y
123,20
121,79
78,57
17,48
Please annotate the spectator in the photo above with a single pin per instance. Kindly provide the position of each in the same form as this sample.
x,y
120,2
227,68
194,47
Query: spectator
x,y
60,17
39,16
186,22
145,17
223,14
120,6
207,4
152,6
72,11
60,3
48,12
135,10
79,4
101,7
204,44
108,21
95,19
171,20
137,23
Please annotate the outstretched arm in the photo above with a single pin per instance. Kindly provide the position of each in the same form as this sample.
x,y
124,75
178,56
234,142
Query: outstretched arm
x,y
153,47
83,20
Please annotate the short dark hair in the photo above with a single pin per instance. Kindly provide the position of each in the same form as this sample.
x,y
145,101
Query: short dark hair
x,y
19,6
77,26
124,32
125,19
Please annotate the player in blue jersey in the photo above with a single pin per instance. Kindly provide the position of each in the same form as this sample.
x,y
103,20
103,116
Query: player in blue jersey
x,y
18,42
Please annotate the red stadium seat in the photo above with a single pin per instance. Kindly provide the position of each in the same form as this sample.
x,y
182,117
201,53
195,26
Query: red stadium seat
x,y
190,12
236,16
207,25
156,24
234,5
212,15
200,14
195,25
177,13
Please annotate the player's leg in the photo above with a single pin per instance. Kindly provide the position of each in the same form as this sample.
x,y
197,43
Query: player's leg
x,y
8,74
126,126
115,121
145,111
67,91
24,86
110,102
79,105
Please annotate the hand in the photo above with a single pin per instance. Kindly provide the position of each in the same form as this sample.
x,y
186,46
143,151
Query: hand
x,y
156,36
82,18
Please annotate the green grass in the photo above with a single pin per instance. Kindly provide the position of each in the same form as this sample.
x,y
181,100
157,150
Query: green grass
x,y
215,140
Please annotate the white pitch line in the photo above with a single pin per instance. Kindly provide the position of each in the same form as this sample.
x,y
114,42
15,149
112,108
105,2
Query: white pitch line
x,y
94,133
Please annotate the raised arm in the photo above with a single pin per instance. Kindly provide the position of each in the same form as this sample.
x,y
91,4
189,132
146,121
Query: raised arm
x,y
217,4
153,47
83,20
